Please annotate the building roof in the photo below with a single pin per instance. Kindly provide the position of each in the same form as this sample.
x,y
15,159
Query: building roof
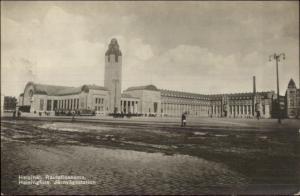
x,y
124,95
147,87
171,93
95,87
52,90
291,84
113,48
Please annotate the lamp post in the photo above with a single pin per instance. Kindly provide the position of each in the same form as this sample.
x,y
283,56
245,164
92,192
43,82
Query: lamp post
x,y
276,57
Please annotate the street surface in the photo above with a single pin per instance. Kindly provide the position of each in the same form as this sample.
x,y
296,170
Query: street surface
x,y
152,156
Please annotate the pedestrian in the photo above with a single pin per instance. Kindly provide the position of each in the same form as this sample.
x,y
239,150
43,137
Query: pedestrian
x,y
258,115
183,119
14,114
73,116
19,113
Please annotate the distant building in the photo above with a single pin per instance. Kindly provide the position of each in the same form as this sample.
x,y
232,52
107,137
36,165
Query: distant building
x,y
238,105
40,98
144,100
292,100
9,103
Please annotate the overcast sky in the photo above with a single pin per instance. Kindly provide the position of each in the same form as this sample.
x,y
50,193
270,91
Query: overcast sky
x,y
202,47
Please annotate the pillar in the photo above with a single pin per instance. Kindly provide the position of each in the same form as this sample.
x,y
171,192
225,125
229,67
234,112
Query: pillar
x,y
52,102
128,107
132,106
121,106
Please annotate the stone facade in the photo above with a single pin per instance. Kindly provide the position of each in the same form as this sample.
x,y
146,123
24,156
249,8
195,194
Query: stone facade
x,y
113,75
149,96
292,100
149,100
239,105
42,98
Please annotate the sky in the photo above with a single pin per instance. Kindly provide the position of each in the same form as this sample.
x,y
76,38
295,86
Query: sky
x,y
201,47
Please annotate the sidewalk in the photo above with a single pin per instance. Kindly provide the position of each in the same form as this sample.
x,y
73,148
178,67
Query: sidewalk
x,y
191,121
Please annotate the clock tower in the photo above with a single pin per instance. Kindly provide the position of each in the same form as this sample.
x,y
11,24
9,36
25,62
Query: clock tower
x,y
113,75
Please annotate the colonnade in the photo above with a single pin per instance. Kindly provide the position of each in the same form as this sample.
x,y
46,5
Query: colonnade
x,y
129,106
176,109
236,110
63,104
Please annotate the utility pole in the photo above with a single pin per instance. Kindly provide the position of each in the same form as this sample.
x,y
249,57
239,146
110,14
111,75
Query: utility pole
x,y
276,57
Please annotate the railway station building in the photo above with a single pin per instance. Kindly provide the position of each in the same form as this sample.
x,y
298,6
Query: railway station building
x,y
149,100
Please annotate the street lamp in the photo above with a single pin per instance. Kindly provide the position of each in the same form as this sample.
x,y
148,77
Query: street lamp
x,y
276,57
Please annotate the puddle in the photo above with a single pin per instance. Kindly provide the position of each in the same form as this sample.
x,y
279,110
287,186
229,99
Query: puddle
x,y
148,145
221,135
69,127
263,137
200,133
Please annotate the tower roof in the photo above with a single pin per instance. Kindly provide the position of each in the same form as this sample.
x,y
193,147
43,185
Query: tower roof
x,y
147,87
113,48
291,84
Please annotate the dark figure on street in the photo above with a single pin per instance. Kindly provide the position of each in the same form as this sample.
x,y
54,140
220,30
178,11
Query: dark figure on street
x,y
14,114
19,114
73,116
183,120
258,115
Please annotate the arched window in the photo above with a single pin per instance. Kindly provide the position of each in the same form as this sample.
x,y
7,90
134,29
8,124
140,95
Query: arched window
x,y
30,93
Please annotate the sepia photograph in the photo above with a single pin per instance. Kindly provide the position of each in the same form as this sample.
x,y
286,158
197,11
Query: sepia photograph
x,y
150,98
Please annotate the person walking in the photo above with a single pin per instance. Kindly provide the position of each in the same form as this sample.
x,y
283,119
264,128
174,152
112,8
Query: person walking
x,y
73,116
258,115
183,120
19,113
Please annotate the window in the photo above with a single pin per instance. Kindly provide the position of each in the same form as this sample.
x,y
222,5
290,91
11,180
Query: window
x,y
155,107
49,104
41,104
55,105
30,93
291,102
82,103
